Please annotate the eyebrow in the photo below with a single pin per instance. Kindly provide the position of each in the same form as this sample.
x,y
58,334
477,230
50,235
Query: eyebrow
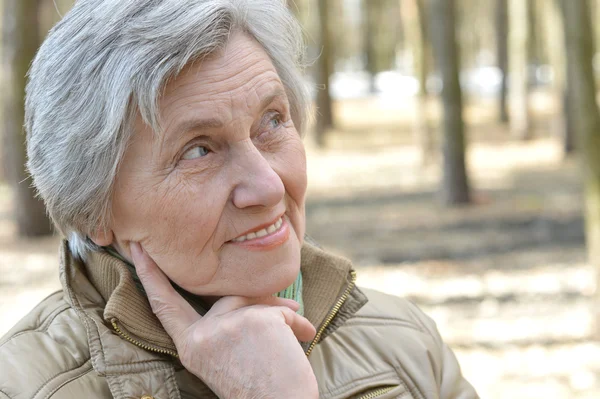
x,y
213,123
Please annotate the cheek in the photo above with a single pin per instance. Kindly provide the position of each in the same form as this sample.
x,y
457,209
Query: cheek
x,y
291,167
132,204
166,216
299,179
182,215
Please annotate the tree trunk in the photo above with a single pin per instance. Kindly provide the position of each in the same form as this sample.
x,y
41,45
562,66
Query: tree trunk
x,y
52,11
580,51
324,102
455,186
519,58
20,43
369,15
415,25
533,38
553,32
502,56
568,134
596,29
294,7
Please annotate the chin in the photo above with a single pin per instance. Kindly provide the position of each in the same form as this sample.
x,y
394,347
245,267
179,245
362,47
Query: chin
x,y
267,272
282,272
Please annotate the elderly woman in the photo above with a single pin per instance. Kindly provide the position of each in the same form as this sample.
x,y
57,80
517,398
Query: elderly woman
x,y
164,137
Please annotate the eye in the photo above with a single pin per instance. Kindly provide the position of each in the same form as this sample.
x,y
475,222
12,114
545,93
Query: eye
x,y
275,121
195,153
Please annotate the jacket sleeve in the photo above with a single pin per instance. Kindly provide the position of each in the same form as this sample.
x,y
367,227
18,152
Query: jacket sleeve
x,y
47,355
450,381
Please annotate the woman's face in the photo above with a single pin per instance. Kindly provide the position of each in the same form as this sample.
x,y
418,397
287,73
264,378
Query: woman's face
x,y
227,162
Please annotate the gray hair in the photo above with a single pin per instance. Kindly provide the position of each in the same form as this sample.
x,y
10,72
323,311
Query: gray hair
x,y
107,60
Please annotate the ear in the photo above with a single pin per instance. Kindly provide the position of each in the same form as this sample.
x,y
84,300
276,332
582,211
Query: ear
x,y
102,237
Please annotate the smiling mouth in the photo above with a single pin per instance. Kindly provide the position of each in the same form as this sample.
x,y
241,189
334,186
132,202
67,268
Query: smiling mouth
x,y
263,232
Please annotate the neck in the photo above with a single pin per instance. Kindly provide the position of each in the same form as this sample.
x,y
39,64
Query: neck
x,y
203,303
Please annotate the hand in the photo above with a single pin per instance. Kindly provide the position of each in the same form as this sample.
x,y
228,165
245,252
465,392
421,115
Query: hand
x,y
243,347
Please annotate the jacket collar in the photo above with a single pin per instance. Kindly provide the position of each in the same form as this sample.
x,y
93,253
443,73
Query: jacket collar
x,y
327,280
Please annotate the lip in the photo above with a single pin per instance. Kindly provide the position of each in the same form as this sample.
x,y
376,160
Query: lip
x,y
268,242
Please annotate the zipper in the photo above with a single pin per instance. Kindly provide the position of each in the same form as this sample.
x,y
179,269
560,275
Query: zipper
x,y
140,344
377,393
333,312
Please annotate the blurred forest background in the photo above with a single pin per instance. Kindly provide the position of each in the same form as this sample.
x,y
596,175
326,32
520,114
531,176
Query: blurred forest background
x,y
454,157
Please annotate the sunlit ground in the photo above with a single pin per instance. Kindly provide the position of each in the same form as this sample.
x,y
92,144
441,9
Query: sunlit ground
x,y
505,279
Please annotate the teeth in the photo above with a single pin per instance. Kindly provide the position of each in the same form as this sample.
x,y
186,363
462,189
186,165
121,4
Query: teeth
x,y
261,233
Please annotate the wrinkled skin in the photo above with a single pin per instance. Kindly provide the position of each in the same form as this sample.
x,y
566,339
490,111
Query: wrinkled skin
x,y
243,348
228,159
247,168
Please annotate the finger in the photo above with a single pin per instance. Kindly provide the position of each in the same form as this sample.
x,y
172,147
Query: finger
x,y
231,303
289,303
174,312
302,328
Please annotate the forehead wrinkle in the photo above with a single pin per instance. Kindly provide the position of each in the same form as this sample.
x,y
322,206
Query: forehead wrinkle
x,y
222,75
174,129
217,78
227,69
255,96
273,91
259,92
251,84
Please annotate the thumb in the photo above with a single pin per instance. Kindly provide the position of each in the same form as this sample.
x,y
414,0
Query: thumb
x,y
174,312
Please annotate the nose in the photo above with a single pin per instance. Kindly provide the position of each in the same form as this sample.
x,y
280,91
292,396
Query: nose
x,y
257,183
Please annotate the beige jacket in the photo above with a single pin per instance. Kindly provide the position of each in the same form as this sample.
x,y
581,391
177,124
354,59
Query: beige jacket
x,y
98,338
